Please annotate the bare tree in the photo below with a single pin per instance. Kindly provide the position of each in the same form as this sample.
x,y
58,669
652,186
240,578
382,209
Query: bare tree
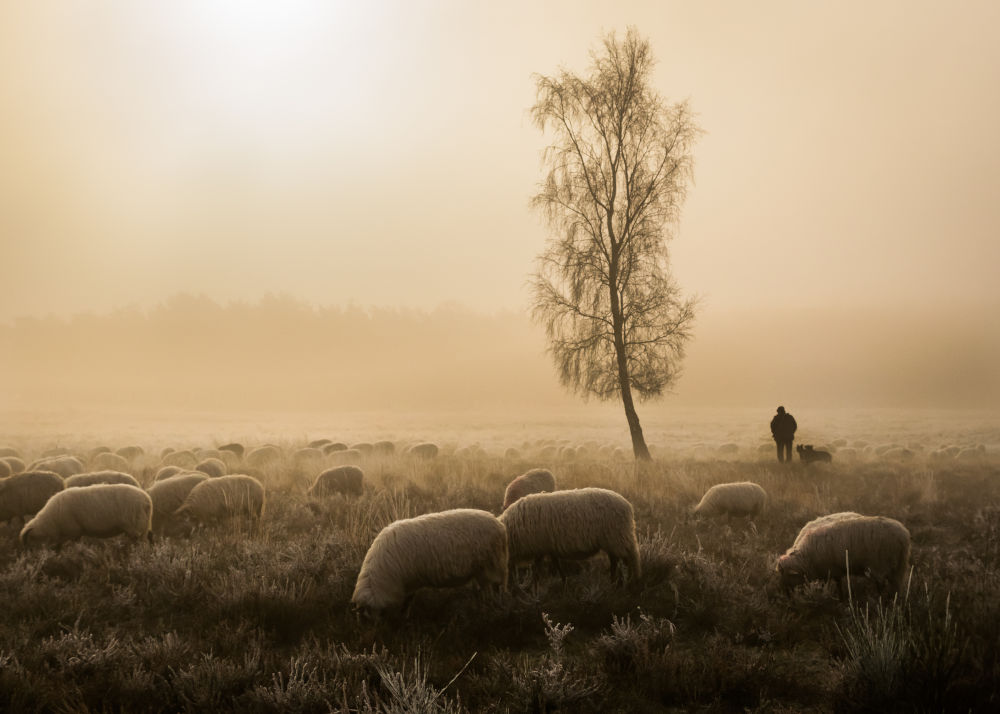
x,y
618,171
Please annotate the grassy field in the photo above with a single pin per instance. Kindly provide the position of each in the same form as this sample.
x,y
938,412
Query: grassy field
x,y
258,618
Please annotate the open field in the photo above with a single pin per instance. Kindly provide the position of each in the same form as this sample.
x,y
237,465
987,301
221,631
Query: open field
x,y
258,618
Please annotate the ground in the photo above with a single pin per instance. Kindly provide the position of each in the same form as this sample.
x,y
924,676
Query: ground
x,y
257,617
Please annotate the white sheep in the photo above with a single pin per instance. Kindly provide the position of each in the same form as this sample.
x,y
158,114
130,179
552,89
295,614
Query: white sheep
x,y
130,452
262,456
732,499
185,459
424,450
168,471
223,497
94,477
65,466
319,443
872,545
364,447
334,447
533,481
233,448
345,456
384,447
308,456
24,494
14,463
101,511
573,524
212,467
443,549
169,494
6,451
348,480
107,461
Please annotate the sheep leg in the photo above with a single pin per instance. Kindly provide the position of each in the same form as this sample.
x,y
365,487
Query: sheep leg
x,y
407,605
617,576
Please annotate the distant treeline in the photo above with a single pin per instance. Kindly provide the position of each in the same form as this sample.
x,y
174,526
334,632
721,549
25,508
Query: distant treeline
x,y
276,353
281,353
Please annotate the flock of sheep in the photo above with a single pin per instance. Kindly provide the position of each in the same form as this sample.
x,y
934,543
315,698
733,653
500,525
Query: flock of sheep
x,y
61,500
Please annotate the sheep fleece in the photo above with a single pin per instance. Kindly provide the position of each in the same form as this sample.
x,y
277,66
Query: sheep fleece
x,y
25,494
342,479
169,494
436,550
95,477
573,524
737,499
873,543
533,481
102,511
225,496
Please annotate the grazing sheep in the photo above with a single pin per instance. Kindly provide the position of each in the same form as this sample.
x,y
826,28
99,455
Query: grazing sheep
x,y
101,511
24,494
223,497
533,481
65,466
6,451
810,455
347,456
166,472
319,443
384,447
874,546
445,549
14,463
822,522
166,452
231,460
92,454
348,480
424,450
55,451
898,453
335,446
511,453
212,467
364,447
233,448
185,459
971,453
732,499
573,524
130,452
107,461
838,443
262,456
308,456
169,494
95,477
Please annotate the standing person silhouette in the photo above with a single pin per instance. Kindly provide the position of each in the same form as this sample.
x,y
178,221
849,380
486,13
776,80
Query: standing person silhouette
x,y
783,428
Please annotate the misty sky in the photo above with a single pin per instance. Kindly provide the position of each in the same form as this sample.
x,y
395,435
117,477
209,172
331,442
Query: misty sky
x,y
381,153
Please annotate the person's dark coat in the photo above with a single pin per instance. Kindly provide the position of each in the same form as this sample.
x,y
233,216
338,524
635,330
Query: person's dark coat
x,y
783,427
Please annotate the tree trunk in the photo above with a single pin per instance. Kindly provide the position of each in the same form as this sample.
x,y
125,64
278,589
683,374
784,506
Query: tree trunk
x,y
639,448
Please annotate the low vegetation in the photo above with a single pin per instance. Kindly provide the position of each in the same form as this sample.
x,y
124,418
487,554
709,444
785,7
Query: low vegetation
x,y
256,617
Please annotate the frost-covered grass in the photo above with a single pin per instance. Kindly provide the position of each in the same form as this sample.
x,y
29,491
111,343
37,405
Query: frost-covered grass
x,y
240,618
